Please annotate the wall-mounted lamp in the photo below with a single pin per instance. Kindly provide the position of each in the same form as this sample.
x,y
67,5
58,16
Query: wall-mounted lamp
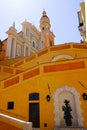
x,y
48,98
84,95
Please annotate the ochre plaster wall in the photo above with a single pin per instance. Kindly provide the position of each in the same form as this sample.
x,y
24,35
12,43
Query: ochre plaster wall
x,y
55,78
54,75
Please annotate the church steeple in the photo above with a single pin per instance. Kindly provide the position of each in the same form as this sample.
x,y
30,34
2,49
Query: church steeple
x,y
44,22
47,37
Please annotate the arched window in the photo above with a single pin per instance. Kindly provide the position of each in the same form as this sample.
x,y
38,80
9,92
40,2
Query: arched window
x,y
50,43
34,96
42,45
43,28
33,44
1,44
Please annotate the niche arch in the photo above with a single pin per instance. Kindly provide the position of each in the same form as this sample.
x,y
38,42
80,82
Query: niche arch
x,y
62,56
64,93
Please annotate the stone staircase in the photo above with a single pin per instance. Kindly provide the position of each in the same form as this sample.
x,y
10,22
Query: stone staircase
x,y
69,128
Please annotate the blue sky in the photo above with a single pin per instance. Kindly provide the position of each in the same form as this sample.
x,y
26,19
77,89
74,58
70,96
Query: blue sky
x,y
62,14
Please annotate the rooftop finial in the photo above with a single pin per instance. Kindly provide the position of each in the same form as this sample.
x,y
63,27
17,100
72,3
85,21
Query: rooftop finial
x,y
43,9
44,12
14,24
25,20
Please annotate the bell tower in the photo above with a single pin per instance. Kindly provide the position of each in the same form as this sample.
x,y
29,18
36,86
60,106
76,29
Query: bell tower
x,y
47,37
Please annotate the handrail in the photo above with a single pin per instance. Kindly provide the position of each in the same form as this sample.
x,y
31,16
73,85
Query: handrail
x,y
26,125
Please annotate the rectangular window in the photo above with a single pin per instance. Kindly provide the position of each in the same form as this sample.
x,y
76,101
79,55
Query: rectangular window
x,y
10,105
34,96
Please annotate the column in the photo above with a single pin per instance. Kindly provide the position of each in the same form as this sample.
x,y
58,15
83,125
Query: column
x,y
28,51
24,50
8,49
24,30
14,49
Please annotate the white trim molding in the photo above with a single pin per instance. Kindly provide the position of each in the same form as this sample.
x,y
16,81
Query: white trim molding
x,y
77,101
86,17
26,125
58,57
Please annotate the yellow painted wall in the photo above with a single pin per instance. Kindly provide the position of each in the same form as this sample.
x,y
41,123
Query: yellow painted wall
x,y
6,126
48,54
55,74
20,94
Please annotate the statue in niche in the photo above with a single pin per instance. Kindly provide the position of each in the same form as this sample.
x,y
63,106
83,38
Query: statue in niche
x,y
67,113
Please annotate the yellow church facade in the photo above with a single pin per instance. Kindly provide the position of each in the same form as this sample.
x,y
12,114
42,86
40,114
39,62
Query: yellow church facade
x,y
43,83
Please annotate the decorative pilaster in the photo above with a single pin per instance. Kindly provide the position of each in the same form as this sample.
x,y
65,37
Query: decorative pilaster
x,y
8,49
28,51
24,50
14,49
11,45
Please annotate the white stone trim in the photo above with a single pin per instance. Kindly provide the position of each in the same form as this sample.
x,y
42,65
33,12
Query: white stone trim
x,y
86,17
56,58
77,100
8,49
13,48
